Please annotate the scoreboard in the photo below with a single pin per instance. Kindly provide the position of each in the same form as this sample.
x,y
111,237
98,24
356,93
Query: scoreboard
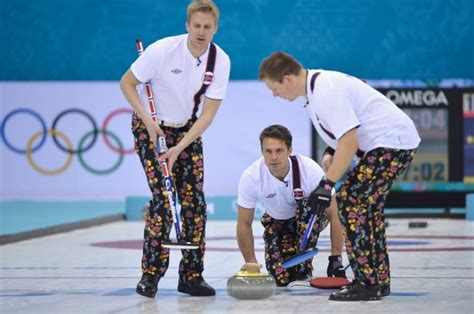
x,y
428,108
444,120
468,136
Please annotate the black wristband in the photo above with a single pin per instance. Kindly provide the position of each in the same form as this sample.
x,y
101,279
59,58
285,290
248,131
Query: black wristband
x,y
329,150
325,181
335,258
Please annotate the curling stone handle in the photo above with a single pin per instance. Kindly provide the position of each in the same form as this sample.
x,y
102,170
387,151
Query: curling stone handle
x,y
251,267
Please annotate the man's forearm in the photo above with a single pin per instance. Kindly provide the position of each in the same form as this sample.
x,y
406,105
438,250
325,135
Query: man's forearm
x,y
337,230
337,237
208,114
345,151
128,85
246,244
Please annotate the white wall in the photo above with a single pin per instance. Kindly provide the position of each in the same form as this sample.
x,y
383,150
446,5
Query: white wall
x,y
231,143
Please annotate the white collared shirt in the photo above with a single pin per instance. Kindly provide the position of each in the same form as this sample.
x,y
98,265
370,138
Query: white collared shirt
x,y
340,102
257,183
176,76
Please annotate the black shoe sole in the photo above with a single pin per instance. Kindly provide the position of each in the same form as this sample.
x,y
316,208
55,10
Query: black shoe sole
x,y
354,297
354,300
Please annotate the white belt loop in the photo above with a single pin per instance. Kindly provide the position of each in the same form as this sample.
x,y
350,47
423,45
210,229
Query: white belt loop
x,y
171,124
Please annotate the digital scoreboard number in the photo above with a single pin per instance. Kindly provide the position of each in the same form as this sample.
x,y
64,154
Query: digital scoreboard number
x,y
428,108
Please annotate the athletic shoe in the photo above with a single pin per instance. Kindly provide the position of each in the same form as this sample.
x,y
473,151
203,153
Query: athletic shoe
x,y
196,287
148,285
357,291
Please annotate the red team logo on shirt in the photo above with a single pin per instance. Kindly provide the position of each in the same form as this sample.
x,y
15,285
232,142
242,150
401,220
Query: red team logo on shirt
x,y
298,194
207,78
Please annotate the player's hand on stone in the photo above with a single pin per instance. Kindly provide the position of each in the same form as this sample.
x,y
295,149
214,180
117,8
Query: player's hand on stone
x,y
251,267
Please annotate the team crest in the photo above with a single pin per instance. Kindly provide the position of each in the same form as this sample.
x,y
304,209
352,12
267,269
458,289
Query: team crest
x,y
298,194
208,78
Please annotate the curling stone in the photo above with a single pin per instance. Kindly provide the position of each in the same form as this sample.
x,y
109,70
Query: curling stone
x,y
251,286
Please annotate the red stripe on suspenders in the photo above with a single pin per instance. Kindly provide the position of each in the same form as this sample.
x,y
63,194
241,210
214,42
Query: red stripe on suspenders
x,y
207,79
359,152
298,192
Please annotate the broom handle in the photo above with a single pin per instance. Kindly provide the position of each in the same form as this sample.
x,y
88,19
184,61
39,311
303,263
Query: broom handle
x,y
307,231
162,148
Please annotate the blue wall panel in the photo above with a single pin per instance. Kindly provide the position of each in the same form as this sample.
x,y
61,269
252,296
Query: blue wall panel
x,y
94,39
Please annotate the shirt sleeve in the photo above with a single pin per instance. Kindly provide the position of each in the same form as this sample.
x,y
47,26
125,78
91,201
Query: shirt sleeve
x,y
217,89
247,197
338,113
147,65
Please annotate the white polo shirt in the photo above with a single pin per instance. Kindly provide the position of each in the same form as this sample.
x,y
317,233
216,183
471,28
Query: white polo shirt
x,y
340,102
277,196
176,76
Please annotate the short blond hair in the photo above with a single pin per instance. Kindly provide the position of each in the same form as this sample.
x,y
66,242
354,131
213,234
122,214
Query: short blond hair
x,y
204,6
276,66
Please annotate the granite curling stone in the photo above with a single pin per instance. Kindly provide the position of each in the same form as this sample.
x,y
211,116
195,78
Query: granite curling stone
x,y
251,286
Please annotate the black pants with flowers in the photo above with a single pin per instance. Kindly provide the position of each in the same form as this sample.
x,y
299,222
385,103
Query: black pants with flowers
x,y
361,200
282,241
188,177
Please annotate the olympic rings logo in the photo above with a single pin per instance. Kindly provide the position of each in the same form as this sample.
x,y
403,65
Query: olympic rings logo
x,y
38,139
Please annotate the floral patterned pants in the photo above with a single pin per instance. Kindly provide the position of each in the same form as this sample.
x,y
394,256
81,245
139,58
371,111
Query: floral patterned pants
x,y
188,176
282,241
361,200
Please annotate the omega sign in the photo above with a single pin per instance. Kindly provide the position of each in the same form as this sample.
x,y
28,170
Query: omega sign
x,y
414,98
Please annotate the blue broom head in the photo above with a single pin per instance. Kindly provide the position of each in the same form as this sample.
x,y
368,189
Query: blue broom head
x,y
300,258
